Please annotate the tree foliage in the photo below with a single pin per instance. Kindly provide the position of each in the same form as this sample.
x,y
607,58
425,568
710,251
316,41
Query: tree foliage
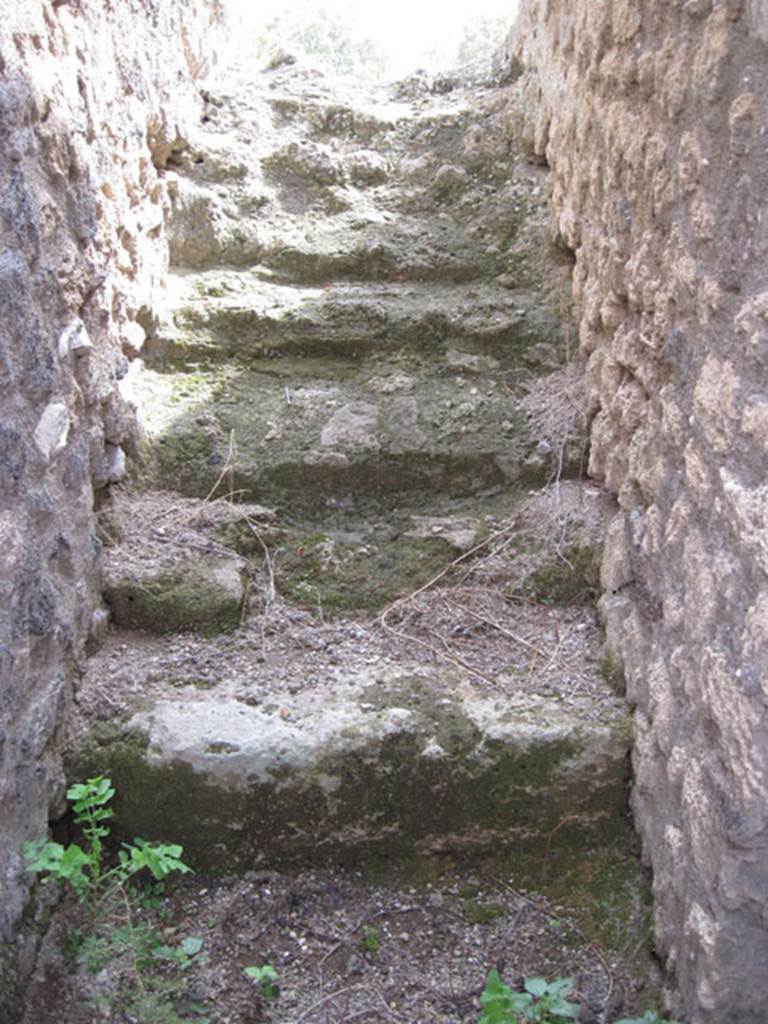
x,y
481,37
333,38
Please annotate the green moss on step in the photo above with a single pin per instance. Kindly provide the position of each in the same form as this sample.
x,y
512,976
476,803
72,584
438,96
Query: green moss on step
x,y
187,598
609,891
186,386
318,572
483,913
513,816
611,670
571,578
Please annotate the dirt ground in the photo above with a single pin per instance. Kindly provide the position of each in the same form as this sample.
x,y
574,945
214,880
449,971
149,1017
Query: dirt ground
x,y
348,949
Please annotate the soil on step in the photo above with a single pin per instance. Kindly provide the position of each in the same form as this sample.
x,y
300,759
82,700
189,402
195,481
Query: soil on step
x,y
346,949
515,614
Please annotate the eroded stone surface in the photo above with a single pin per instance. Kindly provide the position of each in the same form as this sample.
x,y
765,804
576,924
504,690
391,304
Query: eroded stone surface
x,y
652,119
318,731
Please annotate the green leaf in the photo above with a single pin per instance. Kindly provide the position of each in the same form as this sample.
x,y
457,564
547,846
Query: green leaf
x,y
537,986
73,860
520,1002
78,792
41,855
192,945
560,987
499,1002
564,1009
161,860
165,953
494,985
91,794
265,973
100,814
60,863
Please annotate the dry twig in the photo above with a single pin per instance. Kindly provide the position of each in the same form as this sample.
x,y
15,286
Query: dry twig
x,y
227,469
495,625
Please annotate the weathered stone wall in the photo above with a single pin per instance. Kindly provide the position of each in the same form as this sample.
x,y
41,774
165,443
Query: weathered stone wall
x,y
652,115
93,96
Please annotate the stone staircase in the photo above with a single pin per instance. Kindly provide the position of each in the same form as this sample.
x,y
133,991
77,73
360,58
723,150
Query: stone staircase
x,y
361,349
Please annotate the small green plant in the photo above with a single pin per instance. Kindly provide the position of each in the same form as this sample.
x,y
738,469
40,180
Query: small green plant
x,y
148,896
83,869
182,955
113,897
370,940
267,978
542,1002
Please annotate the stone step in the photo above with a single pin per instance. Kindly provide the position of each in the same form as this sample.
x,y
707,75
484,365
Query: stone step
x,y
305,98
231,314
198,584
341,243
314,436
398,249
395,761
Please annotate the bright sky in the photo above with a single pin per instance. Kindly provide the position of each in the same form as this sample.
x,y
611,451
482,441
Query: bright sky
x,y
406,29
